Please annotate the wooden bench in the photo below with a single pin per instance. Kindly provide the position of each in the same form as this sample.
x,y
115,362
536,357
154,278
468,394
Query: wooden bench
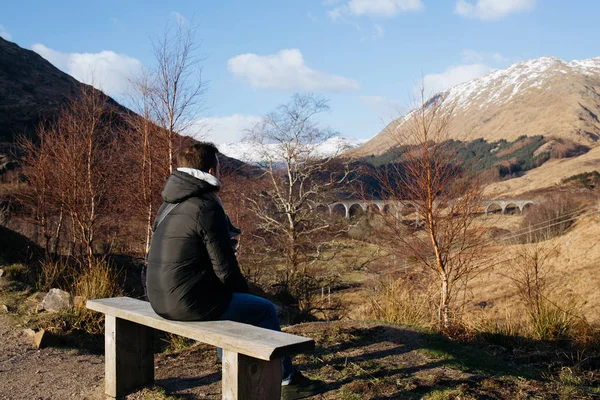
x,y
251,355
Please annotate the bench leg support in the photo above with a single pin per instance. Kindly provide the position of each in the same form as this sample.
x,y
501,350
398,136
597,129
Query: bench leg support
x,y
247,378
129,356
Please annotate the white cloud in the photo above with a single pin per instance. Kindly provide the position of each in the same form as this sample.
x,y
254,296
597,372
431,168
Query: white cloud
x,y
106,70
385,108
488,10
286,70
453,76
4,33
335,14
376,8
221,130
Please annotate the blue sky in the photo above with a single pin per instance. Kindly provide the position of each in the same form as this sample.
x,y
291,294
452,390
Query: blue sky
x,y
365,56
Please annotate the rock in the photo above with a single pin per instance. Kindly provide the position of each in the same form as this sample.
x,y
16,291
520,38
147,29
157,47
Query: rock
x,y
1,272
39,308
39,339
57,300
29,333
4,308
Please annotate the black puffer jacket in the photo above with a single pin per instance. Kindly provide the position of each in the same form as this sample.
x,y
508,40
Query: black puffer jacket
x,y
192,267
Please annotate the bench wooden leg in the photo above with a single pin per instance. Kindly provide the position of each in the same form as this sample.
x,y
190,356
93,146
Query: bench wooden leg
x,y
129,356
247,378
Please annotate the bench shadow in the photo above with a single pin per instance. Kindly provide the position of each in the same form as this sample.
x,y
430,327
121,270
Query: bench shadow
x,y
175,385
364,353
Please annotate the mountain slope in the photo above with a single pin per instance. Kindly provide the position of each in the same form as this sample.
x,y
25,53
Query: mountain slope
x,y
546,96
31,89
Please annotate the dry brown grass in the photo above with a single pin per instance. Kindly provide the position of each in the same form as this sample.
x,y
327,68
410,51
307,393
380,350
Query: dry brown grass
x,y
574,272
100,280
404,301
548,175
52,274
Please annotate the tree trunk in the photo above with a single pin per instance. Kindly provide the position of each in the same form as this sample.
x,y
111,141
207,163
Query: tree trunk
x,y
58,231
444,316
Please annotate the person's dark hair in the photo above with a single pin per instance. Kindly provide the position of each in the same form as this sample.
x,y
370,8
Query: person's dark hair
x,y
202,156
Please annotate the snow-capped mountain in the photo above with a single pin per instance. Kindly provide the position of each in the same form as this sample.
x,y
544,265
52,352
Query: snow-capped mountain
x,y
249,152
546,96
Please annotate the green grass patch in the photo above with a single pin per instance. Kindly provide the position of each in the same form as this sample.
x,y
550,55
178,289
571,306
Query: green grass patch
x,y
157,393
449,393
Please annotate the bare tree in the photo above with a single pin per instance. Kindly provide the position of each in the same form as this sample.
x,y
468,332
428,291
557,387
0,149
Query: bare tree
x,y
72,170
147,151
297,180
431,177
177,85
42,197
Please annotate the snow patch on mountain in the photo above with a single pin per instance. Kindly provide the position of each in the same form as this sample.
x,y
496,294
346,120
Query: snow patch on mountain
x,y
546,96
251,152
502,86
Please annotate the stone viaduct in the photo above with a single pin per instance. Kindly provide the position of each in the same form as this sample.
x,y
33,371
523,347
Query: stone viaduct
x,y
399,205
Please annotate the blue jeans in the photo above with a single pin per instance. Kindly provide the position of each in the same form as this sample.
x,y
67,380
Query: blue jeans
x,y
254,310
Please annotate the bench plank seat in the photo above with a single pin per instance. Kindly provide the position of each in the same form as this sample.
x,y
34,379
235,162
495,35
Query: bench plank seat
x,y
252,341
251,355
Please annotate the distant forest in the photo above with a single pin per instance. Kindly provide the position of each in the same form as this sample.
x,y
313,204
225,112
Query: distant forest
x,y
500,159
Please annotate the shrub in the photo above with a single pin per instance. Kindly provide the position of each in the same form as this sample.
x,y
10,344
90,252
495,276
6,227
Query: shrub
x,y
589,180
508,326
52,274
97,281
401,301
566,148
549,321
16,272
361,228
551,218
551,317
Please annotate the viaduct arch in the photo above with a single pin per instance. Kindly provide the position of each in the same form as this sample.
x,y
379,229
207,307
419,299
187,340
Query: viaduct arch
x,y
398,206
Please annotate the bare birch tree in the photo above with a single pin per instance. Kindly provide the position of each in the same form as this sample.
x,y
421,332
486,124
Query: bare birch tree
x,y
297,179
430,175
147,151
42,197
178,88
73,170
84,157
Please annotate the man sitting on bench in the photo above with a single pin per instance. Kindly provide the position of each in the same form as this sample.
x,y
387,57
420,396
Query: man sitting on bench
x,y
193,273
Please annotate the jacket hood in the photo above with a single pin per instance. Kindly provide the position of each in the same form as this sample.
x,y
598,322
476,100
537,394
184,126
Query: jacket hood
x,y
181,185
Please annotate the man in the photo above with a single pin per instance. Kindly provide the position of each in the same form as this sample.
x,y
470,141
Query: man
x,y
193,273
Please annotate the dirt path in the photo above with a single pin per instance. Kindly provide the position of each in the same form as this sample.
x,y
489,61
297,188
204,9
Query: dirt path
x,y
62,373
51,373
